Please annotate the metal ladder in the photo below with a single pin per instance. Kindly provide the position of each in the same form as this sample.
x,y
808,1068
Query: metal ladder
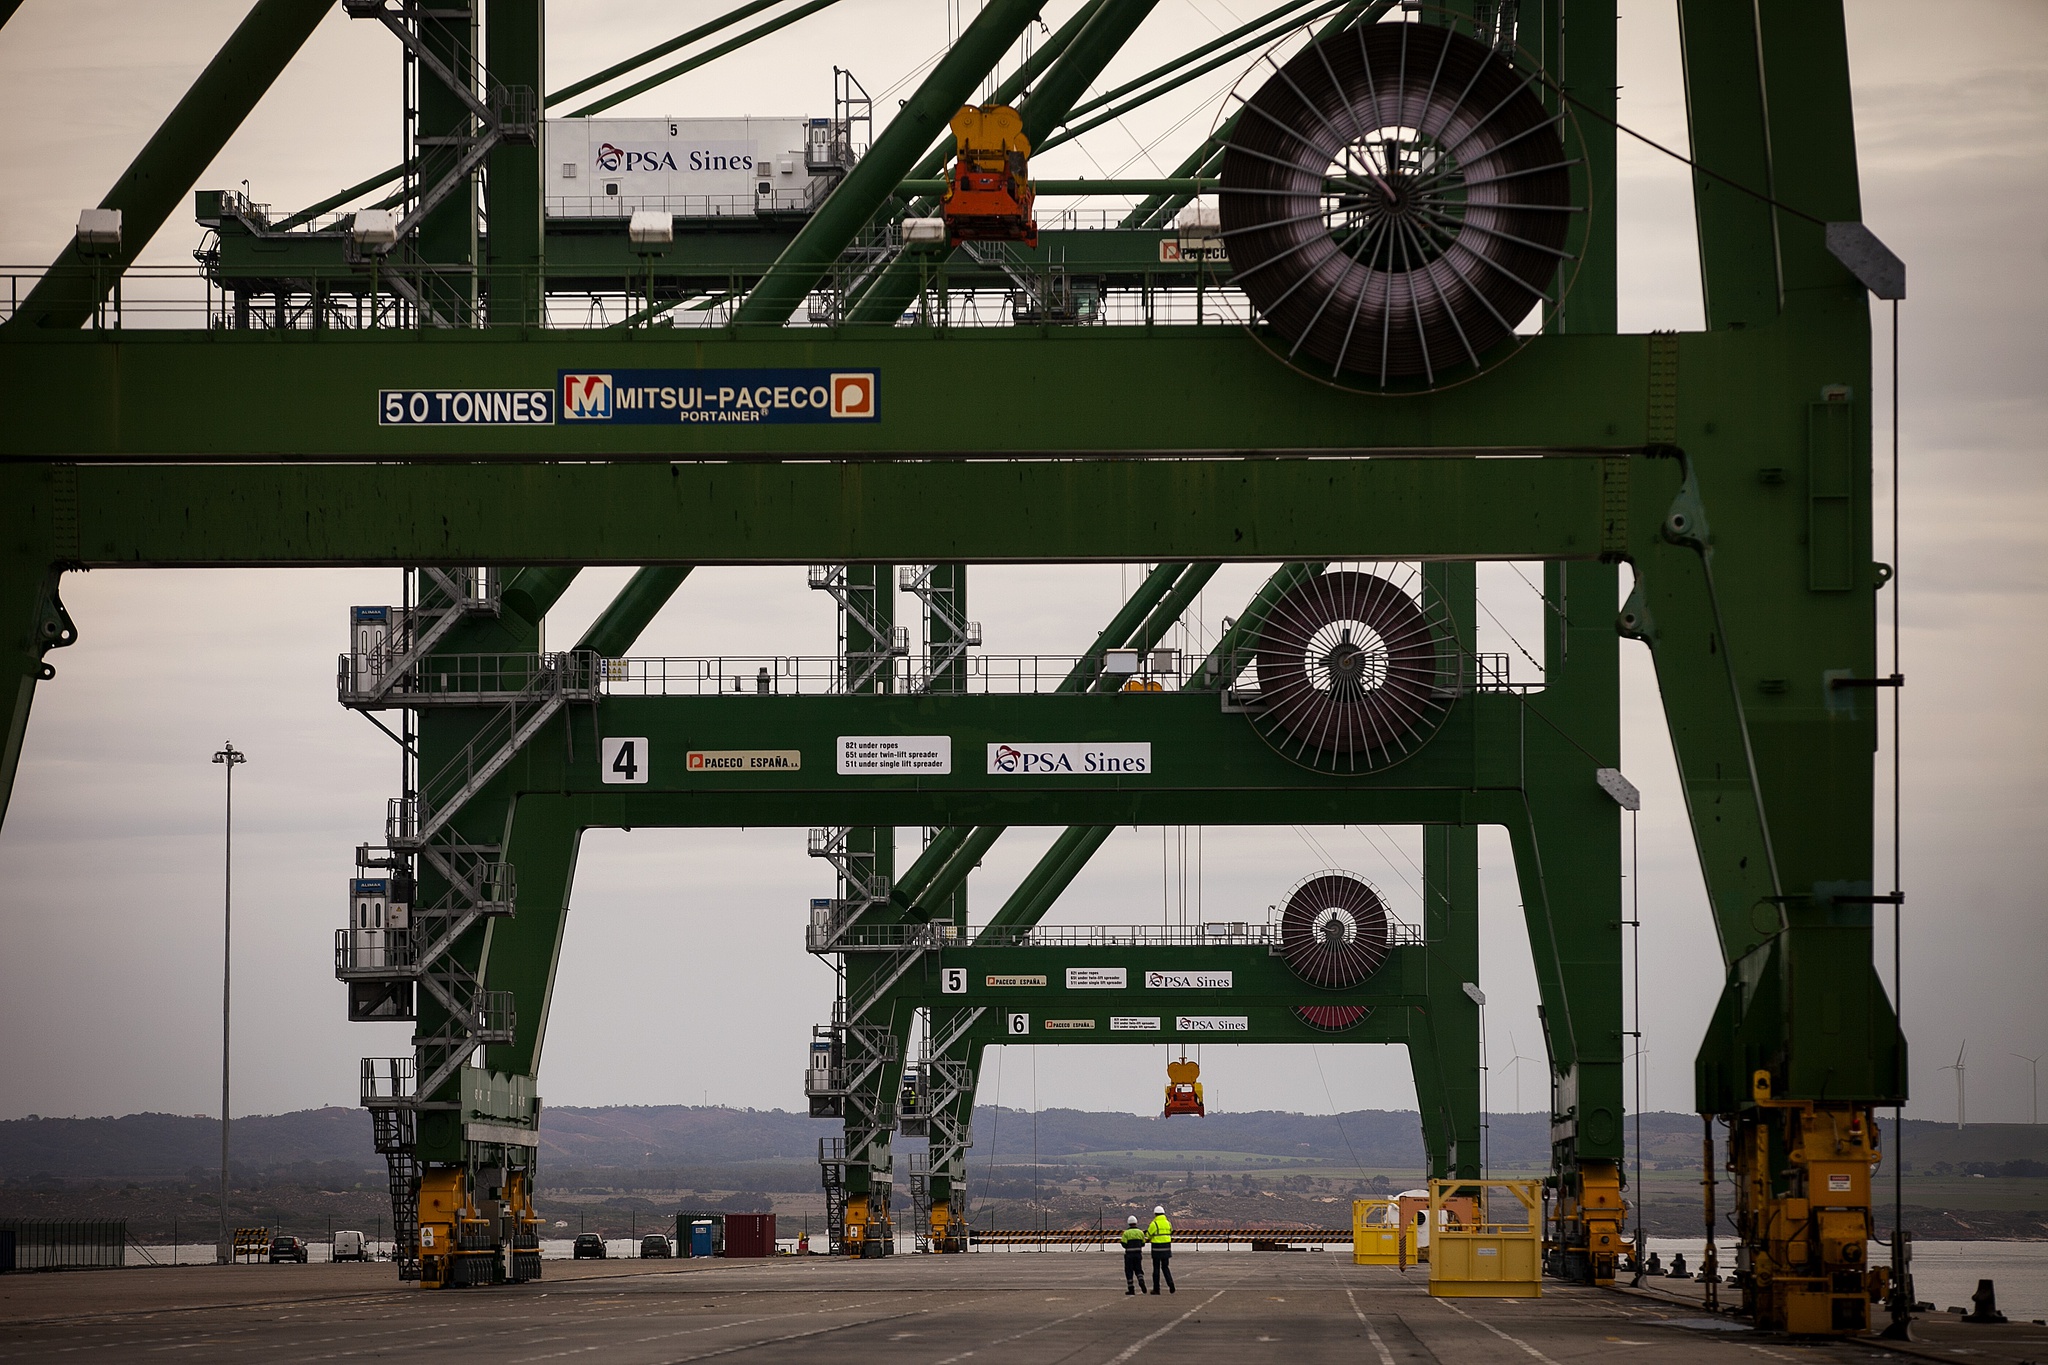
x,y
392,1129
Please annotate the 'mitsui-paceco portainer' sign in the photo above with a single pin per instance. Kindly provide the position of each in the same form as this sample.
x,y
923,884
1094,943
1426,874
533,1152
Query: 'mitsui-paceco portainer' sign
x,y
692,168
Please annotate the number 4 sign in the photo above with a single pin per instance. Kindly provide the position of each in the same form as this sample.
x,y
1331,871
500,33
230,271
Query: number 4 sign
x,y
623,760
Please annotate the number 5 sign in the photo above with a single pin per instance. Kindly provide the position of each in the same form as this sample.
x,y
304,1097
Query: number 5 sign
x,y
953,981
623,760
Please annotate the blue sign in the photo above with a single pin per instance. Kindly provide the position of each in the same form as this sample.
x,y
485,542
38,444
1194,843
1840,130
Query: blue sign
x,y
668,397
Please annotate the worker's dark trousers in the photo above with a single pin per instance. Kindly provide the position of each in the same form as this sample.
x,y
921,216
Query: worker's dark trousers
x,y
1134,1266
1162,1258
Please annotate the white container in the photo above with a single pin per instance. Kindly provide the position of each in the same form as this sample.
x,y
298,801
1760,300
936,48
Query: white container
x,y
99,231
923,231
688,168
651,229
376,228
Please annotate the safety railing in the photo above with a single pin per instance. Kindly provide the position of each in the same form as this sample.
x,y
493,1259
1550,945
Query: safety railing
x,y
53,1244
370,954
469,679
819,675
834,936
387,1080
284,290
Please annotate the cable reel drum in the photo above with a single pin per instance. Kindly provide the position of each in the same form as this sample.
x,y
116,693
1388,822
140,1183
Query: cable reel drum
x,y
1356,668
1395,200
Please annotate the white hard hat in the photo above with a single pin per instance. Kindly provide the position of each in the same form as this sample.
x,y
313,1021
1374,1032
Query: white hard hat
x,y
1159,1209
1132,1221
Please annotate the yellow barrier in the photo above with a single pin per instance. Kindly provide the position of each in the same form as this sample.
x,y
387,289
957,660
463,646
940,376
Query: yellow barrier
x,y
1377,1237
1486,1259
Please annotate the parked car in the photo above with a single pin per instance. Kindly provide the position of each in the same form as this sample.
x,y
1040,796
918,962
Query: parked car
x,y
589,1247
654,1244
287,1249
350,1246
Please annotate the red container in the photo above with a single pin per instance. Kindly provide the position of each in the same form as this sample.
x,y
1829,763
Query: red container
x,y
749,1234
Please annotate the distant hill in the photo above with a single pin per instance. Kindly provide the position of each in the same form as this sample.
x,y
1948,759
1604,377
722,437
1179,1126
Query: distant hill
x,y
162,1146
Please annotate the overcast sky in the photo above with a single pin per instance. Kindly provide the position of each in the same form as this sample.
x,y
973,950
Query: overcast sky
x,y
110,859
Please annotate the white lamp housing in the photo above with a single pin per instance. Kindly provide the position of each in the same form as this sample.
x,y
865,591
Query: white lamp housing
x,y
924,231
375,228
99,232
1120,662
651,230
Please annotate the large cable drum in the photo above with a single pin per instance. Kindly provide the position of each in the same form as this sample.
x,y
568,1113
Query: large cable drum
x,y
1355,669
1333,931
1395,200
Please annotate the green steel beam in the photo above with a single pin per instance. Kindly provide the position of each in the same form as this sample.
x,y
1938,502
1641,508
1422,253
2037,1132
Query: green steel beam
x,y
335,201
1154,185
612,634
872,181
1272,16
514,54
1163,617
1724,102
1181,389
953,876
881,297
709,55
660,50
163,516
155,184
1050,876
533,592
1052,99
1215,673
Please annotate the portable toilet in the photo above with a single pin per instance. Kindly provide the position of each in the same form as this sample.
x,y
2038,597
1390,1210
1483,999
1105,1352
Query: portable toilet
x,y
700,1238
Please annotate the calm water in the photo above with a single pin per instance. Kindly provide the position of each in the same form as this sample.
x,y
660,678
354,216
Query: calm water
x,y
1945,1274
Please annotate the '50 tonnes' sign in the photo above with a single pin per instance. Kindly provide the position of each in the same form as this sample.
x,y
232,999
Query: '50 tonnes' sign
x,y
670,397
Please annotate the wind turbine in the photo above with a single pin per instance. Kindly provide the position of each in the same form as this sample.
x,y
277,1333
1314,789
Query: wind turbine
x,y
1958,1068
1515,1065
2035,1063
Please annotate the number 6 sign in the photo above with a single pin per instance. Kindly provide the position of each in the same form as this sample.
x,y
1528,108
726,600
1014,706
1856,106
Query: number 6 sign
x,y
1020,1024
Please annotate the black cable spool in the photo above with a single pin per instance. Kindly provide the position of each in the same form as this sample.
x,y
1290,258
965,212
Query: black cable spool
x,y
1355,671
1334,932
1395,200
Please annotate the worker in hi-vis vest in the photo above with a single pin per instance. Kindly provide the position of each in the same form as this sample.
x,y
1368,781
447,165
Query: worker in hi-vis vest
x,y
1134,1256
1160,1235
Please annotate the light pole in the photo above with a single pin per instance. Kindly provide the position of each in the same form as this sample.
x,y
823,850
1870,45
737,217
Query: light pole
x,y
228,756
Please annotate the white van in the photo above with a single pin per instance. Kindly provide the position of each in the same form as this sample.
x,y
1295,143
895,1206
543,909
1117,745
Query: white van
x,y
349,1246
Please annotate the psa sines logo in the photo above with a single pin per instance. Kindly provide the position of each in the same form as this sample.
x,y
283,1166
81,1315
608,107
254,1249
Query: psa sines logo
x,y
1005,759
853,395
587,397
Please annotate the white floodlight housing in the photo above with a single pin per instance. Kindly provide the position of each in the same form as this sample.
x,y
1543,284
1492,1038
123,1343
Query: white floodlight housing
x,y
924,231
1165,660
99,232
1120,662
376,229
651,230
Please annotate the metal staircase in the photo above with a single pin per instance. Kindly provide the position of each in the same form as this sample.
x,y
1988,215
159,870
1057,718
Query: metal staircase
x,y
947,631
412,952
